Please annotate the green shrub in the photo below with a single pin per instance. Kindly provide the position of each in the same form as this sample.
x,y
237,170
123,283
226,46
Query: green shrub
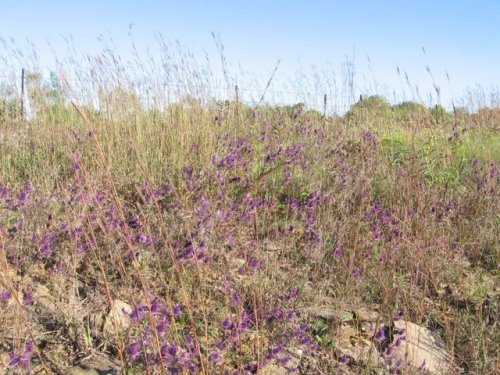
x,y
369,111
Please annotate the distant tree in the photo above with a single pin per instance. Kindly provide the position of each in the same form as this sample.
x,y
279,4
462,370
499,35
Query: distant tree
x,y
372,109
293,111
461,111
409,107
10,103
10,109
409,111
440,114
488,117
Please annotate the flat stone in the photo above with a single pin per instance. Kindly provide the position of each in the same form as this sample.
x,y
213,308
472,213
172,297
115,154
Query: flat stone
x,y
361,350
78,370
4,361
44,300
273,369
98,364
117,320
330,313
367,314
295,355
423,347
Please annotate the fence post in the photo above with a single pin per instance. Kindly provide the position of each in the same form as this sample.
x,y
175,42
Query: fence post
x,y
237,100
22,94
324,105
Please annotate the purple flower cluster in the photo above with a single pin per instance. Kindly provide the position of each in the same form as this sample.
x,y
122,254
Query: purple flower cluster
x,y
152,345
384,222
23,360
292,203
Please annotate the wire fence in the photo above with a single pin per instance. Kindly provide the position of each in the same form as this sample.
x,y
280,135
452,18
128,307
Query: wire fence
x,y
154,92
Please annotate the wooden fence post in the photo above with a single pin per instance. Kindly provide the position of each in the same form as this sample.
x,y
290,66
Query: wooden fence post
x,y
324,105
237,100
22,94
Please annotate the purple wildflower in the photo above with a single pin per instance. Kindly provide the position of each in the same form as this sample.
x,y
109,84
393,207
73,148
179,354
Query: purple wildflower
x,y
345,359
235,298
14,360
169,352
5,296
389,352
162,327
381,336
135,222
138,313
143,239
215,357
399,341
25,194
252,368
157,307
134,351
99,197
178,310
187,172
356,273
4,192
397,367
283,361
23,198
293,294
45,251
28,298
25,360
227,324
80,248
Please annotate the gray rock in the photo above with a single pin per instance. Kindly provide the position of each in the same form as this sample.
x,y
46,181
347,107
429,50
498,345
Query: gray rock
x,y
117,320
273,369
332,314
98,364
360,349
423,347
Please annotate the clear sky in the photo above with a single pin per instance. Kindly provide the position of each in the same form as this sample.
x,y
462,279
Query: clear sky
x,y
461,38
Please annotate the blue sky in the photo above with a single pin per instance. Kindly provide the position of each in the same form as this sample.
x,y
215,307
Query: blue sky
x,y
461,38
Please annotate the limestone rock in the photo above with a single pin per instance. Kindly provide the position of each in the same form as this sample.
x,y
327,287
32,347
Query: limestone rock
x,y
44,300
422,347
78,370
330,313
98,364
273,369
4,361
295,355
117,320
367,314
360,349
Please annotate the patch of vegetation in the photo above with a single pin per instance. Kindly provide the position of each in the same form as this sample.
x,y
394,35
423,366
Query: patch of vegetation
x,y
220,229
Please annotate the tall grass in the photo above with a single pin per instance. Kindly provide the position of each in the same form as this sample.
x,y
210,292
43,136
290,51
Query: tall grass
x,y
224,225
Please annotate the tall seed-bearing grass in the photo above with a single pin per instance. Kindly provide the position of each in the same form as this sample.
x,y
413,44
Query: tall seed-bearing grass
x,y
224,224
